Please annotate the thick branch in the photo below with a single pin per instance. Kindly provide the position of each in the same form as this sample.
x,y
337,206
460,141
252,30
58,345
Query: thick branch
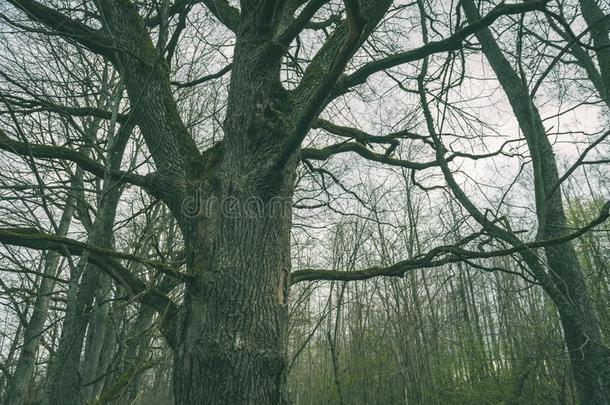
x,y
36,105
300,22
146,77
313,102
440,256
106,261
94,40
356,147
360,149
204,79
599,24
224,12
359,135
85,162
32,238
450,43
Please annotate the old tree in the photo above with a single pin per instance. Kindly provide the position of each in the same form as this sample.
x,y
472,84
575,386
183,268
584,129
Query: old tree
x,y
222,302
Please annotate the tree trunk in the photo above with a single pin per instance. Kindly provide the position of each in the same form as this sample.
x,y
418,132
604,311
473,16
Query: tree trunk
x,y
64,379
590,360
229,343
232,343
232,346
138,344
599,24
96,335
35,327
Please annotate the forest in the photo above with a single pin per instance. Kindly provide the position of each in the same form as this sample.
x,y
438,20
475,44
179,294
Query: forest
x,y
308,202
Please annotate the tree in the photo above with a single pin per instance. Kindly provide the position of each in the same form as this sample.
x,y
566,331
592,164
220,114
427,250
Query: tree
x,y
590,358
233,200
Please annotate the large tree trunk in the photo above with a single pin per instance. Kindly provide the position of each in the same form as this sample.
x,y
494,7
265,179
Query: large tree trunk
x,y
590,360
230,342
233,343
232,346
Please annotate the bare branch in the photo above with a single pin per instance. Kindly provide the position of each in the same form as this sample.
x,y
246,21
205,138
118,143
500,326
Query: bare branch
x,y
315,101
300,22
59,152
204,79
440,256
94,40
450,43
106,261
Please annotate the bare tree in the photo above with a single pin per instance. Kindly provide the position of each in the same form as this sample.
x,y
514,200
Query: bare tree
x,y
225,316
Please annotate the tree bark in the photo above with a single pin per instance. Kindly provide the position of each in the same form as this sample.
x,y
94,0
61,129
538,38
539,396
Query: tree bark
x,y
232,343
233,340
231,346
599,26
